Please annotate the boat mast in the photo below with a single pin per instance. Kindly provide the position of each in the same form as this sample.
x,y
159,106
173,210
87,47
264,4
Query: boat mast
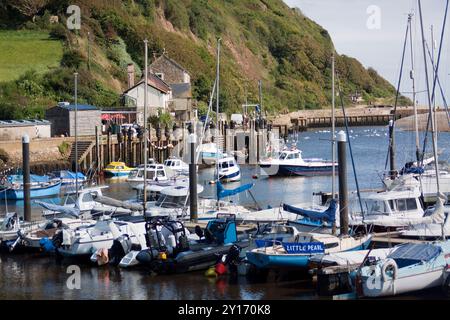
x,y
333,129
433,53
412,76
430,114
145,121
390,157
76,133
217,115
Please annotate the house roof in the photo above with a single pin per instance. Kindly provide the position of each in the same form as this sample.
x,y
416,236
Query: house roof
x,y
181,90
22,123
176,64
153,81
80,107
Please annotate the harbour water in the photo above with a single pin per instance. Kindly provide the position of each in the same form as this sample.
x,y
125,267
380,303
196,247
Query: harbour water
x,y
34,276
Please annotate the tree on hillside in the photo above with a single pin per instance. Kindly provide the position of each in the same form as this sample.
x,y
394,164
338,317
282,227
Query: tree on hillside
x,y
29,8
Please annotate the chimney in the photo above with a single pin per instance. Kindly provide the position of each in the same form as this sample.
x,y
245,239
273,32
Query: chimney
x,y
130,70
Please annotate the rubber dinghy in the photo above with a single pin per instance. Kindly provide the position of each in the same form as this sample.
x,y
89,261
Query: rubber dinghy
x,y
182,255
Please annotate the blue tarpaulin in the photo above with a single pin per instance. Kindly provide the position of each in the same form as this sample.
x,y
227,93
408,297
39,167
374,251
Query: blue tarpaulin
x,y
222,192
18,178
65,174
328,215
416,252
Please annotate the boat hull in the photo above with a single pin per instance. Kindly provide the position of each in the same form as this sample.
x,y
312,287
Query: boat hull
x,y
424,280
299,170
231,177
116,173
39,192
263,260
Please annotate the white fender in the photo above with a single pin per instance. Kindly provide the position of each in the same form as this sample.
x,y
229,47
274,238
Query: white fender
x,y
386,264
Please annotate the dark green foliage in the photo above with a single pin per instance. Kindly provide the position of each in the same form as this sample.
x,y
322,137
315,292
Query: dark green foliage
x,y
202,88
58,31
71,59
148,8
175,11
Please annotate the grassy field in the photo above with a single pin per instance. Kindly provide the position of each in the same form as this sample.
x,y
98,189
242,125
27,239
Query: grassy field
x,y
21,51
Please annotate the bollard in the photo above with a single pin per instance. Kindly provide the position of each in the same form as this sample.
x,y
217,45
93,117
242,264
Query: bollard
x,y
26,177
193,179
343,193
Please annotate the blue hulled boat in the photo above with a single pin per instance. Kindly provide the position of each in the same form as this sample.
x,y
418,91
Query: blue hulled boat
x,y
41,187
297,254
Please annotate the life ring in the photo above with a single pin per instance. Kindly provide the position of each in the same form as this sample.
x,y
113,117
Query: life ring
x,y
389,263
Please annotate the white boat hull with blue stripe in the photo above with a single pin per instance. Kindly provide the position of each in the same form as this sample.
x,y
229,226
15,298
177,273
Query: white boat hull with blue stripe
x,y
229,170
291,163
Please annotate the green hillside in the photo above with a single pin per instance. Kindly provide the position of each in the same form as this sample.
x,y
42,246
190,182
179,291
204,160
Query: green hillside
x,y
22,50
261,39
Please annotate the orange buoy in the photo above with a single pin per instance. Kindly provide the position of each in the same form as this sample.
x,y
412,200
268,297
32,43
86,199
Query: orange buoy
x,y
220,268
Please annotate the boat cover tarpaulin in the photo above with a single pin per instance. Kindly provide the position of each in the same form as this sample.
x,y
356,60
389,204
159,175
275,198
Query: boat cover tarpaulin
x,y
327,215
75,212
222,192
65,174
118,203
416,252
18,178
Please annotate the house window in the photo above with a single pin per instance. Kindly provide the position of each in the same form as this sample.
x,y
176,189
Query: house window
x,y
160,75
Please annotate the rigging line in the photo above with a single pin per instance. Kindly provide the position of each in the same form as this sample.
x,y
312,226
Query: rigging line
x,y
207,118
440,88
349,143
398,90
430,114
422,91
426,71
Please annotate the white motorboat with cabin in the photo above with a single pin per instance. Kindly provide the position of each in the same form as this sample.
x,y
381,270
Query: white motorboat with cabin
x,y
387,208
176,166
155,172
291,163
229,170
84,241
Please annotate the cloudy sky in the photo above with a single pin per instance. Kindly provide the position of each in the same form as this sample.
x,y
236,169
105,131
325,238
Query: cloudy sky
x,y
356,31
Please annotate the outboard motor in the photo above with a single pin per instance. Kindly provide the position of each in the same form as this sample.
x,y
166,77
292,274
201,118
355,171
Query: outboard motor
x,y
232,258
199,232
120,247
58,239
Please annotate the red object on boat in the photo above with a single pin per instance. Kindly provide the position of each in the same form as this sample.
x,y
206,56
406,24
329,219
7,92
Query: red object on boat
x,y
220,268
